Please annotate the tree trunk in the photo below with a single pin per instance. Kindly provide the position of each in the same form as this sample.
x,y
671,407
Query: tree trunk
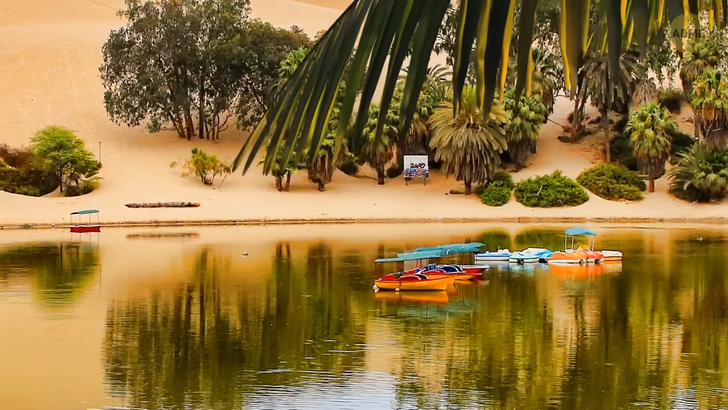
x,y
607,137
321,186
60,181
188,123
201,111
380,175
279,184
288,181
468,187
652,185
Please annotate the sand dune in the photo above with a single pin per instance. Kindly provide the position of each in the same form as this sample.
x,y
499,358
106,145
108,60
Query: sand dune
x,y
51,52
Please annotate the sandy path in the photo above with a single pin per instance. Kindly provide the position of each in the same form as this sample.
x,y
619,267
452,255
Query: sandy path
x,y
51,53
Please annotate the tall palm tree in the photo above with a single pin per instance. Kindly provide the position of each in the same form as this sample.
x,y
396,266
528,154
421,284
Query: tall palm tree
x,y
381,29
468,145
649,131
527,115
378,153
710,105
700,175
608,91
702,55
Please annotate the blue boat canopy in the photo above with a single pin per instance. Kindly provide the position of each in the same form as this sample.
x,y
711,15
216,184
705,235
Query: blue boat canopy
x,y
85,212
454,248
580,232
412,256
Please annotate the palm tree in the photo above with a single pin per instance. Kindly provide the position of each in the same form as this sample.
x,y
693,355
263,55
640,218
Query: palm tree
x,y
710,106
649,131
544,80
381,29
645,92
702,55
701,174
527,115
286,171
608,91
378,153
469,146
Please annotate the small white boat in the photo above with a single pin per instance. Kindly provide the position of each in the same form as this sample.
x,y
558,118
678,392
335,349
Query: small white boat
x,y
612,256
529,255
502,255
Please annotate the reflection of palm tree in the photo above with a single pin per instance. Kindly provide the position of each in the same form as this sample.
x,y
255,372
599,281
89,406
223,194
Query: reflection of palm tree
x,y
60,272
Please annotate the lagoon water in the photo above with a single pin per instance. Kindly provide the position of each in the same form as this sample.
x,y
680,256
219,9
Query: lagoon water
x,y
285,317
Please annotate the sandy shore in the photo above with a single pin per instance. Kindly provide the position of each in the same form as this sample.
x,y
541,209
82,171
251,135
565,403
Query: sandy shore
x,y
51,52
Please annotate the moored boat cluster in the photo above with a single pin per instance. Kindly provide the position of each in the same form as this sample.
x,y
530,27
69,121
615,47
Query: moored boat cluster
x,y
437,276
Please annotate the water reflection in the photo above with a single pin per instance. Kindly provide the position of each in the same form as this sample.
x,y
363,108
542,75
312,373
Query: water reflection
x,y
59,272
301,327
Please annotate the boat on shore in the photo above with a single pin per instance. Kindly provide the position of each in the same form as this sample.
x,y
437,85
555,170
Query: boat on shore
x,y
501,255
530,255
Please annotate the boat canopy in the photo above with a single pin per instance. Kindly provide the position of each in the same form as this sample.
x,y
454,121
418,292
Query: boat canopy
x,y
454,248
580,232
412,256
85,212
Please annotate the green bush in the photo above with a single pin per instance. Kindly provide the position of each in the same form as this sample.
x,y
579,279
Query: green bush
x,y
505,178
84,187
394,171
548,191
701,174
61,152
622,152
681,142
612,182
671,98
19,173
497,193
349,166
204,166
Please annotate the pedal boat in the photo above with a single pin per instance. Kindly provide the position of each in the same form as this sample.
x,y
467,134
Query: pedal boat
x,y
502,255
530,255
417,281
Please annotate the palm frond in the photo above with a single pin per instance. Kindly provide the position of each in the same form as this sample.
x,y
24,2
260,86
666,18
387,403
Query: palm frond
x,y
378,29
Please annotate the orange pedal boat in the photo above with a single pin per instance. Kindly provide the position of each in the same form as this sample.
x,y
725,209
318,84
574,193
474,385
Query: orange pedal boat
x,y
417,281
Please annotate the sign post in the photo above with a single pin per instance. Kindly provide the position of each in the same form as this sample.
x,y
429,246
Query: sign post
x,y
416,166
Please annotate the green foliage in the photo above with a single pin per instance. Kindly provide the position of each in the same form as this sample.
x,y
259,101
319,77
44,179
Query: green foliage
x,y
349,166
649,131
63,154
710,105
280,172
468,145
84,187
21,173
497,193
394,171
681,142
204,166
701,174
606,93
527,116
660,55
550,191
703,53
671,98
622,152
612,182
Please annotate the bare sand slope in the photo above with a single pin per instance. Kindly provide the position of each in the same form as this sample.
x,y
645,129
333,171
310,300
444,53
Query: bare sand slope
x,y
51,52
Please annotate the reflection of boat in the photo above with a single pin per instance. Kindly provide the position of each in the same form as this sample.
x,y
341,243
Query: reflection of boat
x,y
436,297
501,255
412,282
81,227
576,271
530,255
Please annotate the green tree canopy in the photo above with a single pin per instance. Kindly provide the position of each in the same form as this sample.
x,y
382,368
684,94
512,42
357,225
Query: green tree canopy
x,y
65,155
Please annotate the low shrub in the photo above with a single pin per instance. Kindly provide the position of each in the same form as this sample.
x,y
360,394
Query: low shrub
x,y
503,176
701,174
27,180
612,182
394,171
84,187
497,193
681,142
622,153
671,98
548,191
204,166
